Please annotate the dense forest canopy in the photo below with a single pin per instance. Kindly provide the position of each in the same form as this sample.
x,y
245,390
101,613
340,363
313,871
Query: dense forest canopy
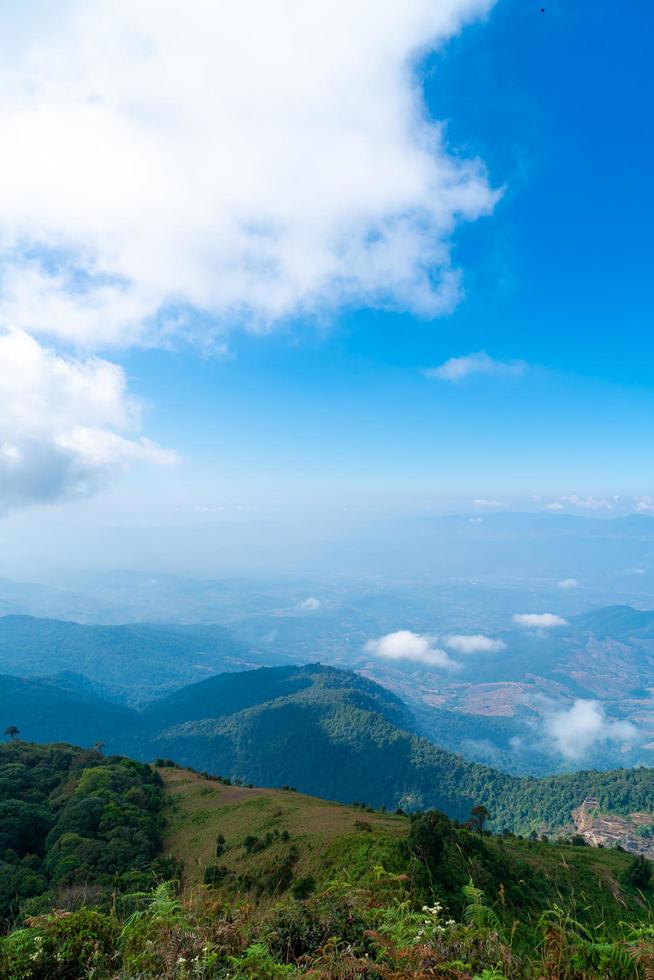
x,y
71,820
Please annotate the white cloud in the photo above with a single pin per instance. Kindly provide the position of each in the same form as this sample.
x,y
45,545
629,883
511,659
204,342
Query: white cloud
x,y
568,583
576,730
458,368
171,171
406,645
311,604
245,161
473,643
644,505
539,620
66,425
483,502
555,505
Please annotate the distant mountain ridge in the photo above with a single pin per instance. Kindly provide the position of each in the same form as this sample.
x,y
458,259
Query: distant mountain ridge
x,y
137,662
617,621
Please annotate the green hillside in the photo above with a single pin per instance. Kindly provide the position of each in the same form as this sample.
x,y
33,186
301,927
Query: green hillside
x,y
334,841
352,748
328,732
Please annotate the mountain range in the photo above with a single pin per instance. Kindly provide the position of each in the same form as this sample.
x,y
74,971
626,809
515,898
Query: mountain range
x,y
325,731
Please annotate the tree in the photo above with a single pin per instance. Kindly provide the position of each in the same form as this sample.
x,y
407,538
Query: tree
x,y
428,834
639,872
12,732
478,817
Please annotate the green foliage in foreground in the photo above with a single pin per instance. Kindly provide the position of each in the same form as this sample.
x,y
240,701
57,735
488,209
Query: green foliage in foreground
x,y
375,930
442,902
74,826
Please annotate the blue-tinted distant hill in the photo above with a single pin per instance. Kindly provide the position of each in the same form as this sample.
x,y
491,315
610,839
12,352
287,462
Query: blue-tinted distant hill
x,y
618,622
136,663
54,712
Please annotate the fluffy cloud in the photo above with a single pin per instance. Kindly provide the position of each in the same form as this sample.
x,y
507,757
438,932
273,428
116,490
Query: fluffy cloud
x,y
406,645
473,643
66,425
539,620
458,368
483,502
576,730
568,583
644,505
170,171
245,161
310,604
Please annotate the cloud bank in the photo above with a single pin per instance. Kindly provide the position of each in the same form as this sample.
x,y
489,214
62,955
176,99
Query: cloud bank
x,y
576,730
66,425
541,621
406,645
458,368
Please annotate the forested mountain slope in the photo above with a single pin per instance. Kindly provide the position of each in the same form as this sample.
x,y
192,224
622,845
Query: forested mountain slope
x,y
327,732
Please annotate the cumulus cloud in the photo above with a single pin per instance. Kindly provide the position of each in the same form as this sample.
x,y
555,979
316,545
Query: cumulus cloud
x,y
406,645
539,620
644,505
484,502
310,604
576,730
244,161
473,643
458,368
66,425
171,171
568,583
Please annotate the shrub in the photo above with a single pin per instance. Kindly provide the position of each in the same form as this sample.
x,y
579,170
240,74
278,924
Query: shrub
x,y
303,887
62,946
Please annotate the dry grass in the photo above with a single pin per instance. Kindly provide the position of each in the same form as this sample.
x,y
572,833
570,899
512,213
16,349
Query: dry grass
x,y
199,810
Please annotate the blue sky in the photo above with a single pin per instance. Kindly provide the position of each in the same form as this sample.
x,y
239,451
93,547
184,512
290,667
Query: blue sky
x,y
330,403
555,104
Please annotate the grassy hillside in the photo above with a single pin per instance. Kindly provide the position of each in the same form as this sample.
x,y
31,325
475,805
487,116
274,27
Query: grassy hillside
x,y
200,810
335,841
